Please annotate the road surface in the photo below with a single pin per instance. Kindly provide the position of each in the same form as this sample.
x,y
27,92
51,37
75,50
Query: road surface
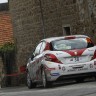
x,y
87,88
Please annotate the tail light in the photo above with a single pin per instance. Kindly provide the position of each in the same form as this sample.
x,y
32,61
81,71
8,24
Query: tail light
x,y
89,40
69,37
94,56
52,58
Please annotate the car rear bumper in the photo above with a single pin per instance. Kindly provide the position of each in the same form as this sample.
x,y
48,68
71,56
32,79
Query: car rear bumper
x,y
74,76
87,69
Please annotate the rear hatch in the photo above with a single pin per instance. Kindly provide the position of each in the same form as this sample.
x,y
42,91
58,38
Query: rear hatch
x,y
75,56
72,51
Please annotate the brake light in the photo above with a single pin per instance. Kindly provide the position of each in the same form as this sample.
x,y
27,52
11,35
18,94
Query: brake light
x,y
52,58
69,37
94,56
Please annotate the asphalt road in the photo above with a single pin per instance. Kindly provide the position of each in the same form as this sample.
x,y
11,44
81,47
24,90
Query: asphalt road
x,y
87,88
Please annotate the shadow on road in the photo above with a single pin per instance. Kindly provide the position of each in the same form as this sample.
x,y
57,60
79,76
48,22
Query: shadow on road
x,y
66,83
39,87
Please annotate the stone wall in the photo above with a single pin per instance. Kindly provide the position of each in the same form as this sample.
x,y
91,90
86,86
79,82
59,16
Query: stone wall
x,y
27,25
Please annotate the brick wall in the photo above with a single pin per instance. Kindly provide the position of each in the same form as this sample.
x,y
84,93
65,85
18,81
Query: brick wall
x,y
6,31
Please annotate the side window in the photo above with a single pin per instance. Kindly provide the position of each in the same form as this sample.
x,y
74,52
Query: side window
x,y
37,50
43,47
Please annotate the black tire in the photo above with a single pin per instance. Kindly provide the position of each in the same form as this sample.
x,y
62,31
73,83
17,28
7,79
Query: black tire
x,y
80,80
46,84
95,78
30,85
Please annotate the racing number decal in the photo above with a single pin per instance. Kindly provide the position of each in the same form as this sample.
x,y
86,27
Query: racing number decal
x,y
76,59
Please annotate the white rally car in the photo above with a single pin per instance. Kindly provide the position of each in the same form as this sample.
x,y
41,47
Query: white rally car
x,y
59,58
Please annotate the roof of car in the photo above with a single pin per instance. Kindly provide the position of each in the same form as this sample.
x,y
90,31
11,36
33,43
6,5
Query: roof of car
x,y
63,37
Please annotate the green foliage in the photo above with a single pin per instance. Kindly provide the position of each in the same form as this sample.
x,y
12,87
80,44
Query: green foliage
x,y
7,47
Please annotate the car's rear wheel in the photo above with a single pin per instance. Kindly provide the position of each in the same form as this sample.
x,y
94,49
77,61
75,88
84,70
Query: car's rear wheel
x,y
80,80
29,82
46,84
95,77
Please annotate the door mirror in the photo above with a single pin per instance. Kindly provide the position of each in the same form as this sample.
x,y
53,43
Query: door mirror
x,y
32,56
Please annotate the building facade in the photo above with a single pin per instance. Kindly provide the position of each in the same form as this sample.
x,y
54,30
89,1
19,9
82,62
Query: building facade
x,y
34,20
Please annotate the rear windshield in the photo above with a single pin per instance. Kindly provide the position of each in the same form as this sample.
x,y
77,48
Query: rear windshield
x,y
71,44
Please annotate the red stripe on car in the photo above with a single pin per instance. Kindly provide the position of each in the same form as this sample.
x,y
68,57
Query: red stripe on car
x,y
47,68
75,52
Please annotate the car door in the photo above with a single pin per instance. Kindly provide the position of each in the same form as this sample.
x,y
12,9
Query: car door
x,y
34,61
39,58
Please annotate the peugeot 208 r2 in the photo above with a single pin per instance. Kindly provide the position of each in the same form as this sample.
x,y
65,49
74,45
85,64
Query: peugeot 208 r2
x,y
60,58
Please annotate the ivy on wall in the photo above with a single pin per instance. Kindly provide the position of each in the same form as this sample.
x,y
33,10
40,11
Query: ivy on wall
x,y
7,47
7,53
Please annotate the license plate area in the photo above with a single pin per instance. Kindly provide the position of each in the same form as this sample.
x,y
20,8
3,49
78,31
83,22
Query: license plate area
x,y
75,59
77,69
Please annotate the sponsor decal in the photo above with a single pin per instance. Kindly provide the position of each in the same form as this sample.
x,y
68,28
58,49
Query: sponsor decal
x,y
71,59
49,69
63,68
54,74
91,65
59,66
78,69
